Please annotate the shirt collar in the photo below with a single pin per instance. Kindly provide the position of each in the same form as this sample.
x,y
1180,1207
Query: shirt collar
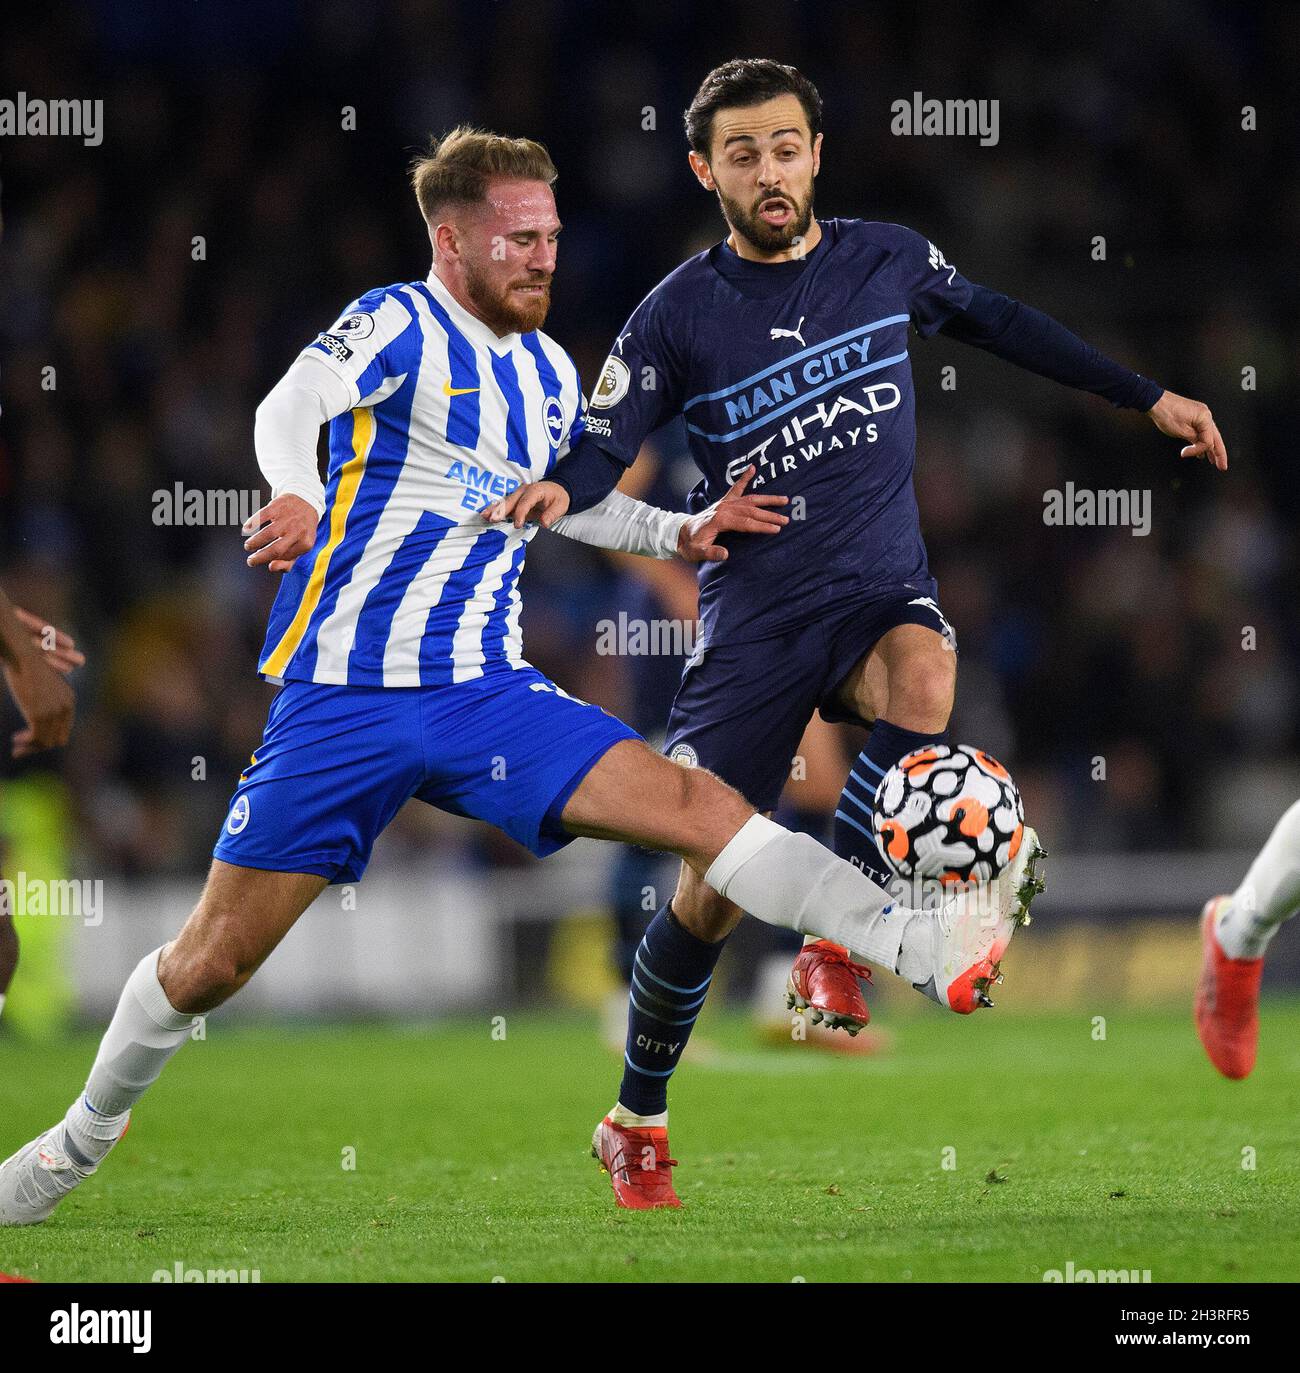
x,y
470,325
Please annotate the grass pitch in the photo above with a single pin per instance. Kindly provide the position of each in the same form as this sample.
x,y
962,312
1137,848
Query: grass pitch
x,y
471,1157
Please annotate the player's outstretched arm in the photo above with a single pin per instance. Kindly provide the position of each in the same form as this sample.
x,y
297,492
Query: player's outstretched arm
x,y
284,438
33,675
624,525
1019,333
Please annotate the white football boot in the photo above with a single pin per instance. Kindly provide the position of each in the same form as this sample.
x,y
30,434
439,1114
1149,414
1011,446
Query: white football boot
x,y
972,930
35,1179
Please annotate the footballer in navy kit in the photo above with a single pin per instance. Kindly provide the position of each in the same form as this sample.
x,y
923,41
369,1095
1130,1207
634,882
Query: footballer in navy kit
x,y
785,349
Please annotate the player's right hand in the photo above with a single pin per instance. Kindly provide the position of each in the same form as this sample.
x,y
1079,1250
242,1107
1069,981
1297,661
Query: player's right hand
x,y
60,649
543,502
280,532
45,700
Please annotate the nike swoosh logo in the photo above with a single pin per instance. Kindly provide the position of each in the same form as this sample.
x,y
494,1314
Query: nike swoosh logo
x,y
449,390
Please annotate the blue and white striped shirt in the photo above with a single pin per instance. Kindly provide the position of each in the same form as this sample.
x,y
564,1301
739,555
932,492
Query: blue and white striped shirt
x,y
406,585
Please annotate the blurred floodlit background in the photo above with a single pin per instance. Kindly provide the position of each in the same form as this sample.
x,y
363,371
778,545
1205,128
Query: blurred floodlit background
x,y
1118,120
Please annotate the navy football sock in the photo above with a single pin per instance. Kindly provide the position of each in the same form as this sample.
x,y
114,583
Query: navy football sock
x,y
854,839
670,979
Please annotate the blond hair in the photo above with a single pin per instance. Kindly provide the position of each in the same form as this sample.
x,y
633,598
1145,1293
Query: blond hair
x,y
458,167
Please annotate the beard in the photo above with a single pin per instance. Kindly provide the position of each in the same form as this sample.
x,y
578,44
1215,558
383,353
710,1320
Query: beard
x,y
768,238
502,308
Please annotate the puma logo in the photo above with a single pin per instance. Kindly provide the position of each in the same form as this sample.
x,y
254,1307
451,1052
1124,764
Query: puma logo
x,y
791,333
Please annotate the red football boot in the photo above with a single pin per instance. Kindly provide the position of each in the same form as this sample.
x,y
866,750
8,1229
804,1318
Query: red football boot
x,y
636,1159
825,978
1227,1001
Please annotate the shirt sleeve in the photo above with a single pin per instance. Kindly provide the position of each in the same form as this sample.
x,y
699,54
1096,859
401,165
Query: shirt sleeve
x,y
370,347
626,526
933,288
640,386
1018,333
639,390
588,474
288,424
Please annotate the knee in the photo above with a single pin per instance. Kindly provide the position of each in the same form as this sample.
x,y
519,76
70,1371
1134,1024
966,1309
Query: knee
x,y
198,979
921,692
696,803
708,798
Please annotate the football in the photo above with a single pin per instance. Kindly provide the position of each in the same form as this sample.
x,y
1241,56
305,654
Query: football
x,y
949,813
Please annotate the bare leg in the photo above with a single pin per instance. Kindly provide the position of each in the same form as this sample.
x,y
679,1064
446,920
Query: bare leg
x,y
909,678
241,916
636,796
701,910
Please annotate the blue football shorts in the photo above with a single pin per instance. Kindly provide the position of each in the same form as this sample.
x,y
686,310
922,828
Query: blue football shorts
x,y
336,763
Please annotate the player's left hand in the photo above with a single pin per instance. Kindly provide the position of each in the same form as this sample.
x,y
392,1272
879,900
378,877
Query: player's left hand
x,y
1182,418
734,513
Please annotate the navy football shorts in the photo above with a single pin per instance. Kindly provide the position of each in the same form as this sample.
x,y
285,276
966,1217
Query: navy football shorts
x,y
741,709
337,763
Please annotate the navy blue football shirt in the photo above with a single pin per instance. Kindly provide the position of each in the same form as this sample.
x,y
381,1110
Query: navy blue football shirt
x,y
800,368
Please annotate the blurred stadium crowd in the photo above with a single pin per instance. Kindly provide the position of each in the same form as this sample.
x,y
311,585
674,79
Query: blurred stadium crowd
x,y
1117,120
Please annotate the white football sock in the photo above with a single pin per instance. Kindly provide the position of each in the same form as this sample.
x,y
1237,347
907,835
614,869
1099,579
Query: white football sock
x,y
791,880
1269,894
146,1030
2,1003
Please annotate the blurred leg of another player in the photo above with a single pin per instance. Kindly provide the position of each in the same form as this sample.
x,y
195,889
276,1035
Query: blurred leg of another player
x,y
8,944
1235,932
807,806
34,660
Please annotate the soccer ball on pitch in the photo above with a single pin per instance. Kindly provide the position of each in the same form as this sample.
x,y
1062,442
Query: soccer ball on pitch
x,y
948,813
